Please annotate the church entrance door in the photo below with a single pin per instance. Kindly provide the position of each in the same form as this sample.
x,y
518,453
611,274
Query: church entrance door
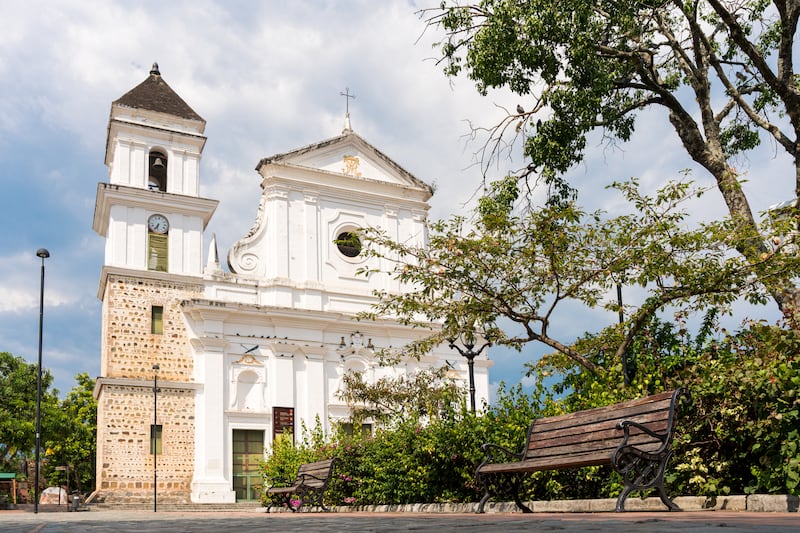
x,y
248,453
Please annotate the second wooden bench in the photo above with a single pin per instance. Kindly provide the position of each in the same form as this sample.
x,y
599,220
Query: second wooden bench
x,y
308,488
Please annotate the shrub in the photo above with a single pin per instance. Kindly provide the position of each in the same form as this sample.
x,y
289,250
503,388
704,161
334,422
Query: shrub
x,y
740,434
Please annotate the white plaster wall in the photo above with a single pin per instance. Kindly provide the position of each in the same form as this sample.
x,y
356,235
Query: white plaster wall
x,y
131,148
126,243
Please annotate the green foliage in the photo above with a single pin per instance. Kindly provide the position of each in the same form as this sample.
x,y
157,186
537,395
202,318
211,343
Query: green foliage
x,y
740,433
69,427
18,409
71,437
392,400
284,460
416,461
522,267
737,434
721,71
589,64
743,435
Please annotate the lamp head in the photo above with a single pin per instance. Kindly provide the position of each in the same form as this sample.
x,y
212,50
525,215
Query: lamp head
x,y
43,253
156,367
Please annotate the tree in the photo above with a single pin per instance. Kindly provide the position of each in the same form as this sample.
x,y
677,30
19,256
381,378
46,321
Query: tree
x,y
722,70
71,439
523,268
68,427
390,401
18,409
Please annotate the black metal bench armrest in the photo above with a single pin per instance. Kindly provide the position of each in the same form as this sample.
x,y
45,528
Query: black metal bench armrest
x,y
490,449
625,425
279,486
304,477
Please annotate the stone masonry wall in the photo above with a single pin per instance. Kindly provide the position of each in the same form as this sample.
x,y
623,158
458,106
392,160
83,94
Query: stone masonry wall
x,y
126,473
125,413
129,348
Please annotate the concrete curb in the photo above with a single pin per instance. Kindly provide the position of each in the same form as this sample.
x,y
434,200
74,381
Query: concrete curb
x,y
762,503
756,503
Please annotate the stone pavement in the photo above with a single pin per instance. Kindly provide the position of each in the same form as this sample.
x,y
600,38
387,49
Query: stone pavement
x,y
390,522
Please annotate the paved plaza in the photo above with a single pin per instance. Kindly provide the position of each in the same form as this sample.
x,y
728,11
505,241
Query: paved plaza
x,y
257,520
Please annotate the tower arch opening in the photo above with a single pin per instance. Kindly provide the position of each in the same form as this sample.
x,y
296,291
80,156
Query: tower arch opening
x,y
157,171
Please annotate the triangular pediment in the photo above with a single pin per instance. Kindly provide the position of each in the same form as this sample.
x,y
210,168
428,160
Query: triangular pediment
x,y
350,155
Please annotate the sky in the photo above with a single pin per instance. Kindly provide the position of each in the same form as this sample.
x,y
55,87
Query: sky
x,y
267,76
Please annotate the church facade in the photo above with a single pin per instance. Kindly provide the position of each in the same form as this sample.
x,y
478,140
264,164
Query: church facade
x,y
201,367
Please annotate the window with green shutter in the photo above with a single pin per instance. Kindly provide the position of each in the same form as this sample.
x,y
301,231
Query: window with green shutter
x,y
155,439
157,320
157,249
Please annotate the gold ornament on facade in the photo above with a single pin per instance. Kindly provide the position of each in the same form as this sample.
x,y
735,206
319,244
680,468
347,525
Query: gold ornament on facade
x,y
351,166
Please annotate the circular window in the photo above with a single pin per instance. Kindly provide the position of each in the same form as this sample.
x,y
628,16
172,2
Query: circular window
x,y
348,243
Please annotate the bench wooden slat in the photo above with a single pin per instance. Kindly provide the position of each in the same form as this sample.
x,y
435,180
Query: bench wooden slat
x,y
560,462
627,409
603,431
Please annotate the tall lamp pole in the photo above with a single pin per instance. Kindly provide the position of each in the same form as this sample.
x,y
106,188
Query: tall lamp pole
x,y
626,379
44,254
153,437
468,341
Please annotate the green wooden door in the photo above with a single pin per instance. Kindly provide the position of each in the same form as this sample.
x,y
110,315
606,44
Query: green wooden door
x,y
248,455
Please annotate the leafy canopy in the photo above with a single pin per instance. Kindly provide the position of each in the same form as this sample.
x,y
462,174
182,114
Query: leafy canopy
x,y
723,71
18,408
520,268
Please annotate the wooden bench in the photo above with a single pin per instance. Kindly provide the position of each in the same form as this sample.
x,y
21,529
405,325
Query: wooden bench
x,y
633,437
308,488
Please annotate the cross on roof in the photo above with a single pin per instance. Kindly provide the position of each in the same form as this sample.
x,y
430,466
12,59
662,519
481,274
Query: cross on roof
x,y
347,97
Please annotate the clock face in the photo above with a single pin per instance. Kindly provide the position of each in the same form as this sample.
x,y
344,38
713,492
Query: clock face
x,y
158,224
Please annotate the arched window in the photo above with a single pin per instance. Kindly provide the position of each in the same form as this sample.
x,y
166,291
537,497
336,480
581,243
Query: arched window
x,y
157,171
157,243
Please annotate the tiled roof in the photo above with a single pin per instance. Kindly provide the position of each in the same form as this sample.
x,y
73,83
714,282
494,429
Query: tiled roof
x,y
153,94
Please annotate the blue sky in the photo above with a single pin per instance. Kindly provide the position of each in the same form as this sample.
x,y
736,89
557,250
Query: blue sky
x,y
267,78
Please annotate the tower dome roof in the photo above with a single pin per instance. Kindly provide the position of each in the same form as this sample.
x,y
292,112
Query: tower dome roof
x,y
154,94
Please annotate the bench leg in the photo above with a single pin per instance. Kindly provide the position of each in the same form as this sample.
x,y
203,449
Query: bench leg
x,y
643,474
284,500
482,503
314,499
666,499
620,507
501,485
522,506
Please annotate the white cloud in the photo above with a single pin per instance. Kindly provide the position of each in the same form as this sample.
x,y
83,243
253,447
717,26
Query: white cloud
x,y
267,77
20,284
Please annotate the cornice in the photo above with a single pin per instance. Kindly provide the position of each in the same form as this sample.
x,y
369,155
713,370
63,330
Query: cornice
x,y
143,383
338,185
112,194
149,275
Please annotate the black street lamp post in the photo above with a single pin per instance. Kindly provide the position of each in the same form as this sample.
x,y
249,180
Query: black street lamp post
x,y
154,438
467,339
44,254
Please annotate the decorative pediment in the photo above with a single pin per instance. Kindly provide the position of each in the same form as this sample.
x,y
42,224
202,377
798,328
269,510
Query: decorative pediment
x,y
348,155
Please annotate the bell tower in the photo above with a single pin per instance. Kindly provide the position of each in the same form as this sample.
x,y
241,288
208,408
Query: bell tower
x,y
150,211
152,218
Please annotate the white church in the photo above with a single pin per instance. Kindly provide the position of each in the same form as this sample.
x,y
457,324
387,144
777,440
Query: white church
x,y
242,354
